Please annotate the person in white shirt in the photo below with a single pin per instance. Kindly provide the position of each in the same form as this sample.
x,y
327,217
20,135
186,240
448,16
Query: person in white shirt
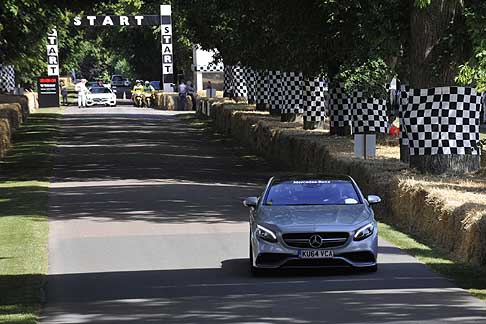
x,y
183,95
82,92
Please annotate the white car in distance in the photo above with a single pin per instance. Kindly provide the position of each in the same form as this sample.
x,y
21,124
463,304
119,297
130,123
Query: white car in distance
x,y
100,96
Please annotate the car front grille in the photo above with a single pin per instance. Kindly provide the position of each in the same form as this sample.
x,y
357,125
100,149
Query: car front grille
x,y
302,240
318,263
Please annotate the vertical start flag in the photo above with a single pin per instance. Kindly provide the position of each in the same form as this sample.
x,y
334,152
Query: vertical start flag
x,y
167,50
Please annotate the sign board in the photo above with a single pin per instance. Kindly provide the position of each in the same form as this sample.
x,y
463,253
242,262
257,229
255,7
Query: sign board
x,y
167,49
110,20
48,90
52,54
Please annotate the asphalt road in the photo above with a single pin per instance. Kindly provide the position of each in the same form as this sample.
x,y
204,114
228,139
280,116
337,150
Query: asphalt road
x,y
146,226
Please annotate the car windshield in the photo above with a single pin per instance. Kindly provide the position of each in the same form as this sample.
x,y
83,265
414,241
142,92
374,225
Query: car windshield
x,y
99,90
312,192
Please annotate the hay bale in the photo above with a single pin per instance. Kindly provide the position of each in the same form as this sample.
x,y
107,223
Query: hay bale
x,y
5,136
170,101
13,113
32,101
22,100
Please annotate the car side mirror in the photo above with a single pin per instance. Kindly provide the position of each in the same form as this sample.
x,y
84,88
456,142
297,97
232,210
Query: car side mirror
x,y
250,202
373,200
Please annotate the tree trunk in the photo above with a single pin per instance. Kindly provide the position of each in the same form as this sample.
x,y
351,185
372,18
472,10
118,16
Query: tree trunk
x,y
434,59
291,118
340,131
404,153
310,125
440,164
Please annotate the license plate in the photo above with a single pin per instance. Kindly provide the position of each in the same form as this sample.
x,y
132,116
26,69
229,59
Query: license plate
x,y
316,254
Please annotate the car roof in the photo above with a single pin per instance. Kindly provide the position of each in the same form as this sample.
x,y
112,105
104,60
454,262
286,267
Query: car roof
x,y
303,177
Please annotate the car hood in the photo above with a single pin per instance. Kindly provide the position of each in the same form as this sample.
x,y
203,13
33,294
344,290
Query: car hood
x,y
283,216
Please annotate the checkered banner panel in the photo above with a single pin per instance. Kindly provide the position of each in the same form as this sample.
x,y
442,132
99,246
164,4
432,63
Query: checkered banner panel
x,y
7,78
250,80
443,120
228,78
340,109
369,114
239,82
292,93
261,86
275,96
315,104
209,68
403,103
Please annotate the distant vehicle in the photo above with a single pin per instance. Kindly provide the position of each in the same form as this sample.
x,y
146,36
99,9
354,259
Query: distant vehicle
x,y
155,84
119,81
100,96
312,221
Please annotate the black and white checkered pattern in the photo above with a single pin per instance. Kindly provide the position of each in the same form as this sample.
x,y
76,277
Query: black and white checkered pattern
x,y
403,103
340,109
228,78
239,82
292,93
315,104
369,115
250,80
275,99
210,68
443,120
7,78
261,88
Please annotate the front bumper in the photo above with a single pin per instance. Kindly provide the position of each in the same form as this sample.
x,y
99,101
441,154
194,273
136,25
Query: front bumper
x,y
100,101
357,254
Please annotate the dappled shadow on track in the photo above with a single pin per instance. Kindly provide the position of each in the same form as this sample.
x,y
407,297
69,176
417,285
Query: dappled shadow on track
x,y
107,147
231,295
152,168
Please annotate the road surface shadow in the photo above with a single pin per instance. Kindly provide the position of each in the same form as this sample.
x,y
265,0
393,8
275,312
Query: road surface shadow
x,y
231,295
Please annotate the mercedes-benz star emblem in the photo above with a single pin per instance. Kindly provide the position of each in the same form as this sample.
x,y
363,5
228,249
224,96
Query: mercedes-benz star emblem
x,y
315,241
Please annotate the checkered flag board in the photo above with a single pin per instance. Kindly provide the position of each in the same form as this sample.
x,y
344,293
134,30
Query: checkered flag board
x,y
209,68
340,109
315,104
261,86
369,114
250,80
292,93
228,78
403,103
443,121
239,82
7,78
275,100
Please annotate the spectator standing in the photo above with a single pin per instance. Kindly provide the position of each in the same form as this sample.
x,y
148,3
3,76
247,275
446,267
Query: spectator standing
x,y
64,93
183,95
82,91
209,90
190,93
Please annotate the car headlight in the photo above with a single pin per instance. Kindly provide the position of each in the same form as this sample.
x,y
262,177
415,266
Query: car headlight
x,y
364,232
265,234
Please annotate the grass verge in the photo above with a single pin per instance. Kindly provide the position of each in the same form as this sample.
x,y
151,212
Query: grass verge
x,y
24,180
465,276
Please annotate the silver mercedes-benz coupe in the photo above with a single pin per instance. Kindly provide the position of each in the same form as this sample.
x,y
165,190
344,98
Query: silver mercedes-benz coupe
x,y
312,221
